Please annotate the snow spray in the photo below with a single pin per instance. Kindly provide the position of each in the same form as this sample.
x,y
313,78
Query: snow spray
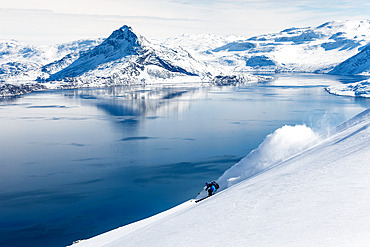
x,y
277,146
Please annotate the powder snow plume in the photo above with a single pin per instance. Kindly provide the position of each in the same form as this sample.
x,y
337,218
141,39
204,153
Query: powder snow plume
x,y
278,146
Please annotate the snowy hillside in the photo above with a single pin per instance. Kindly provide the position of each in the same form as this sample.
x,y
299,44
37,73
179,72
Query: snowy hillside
x,y
200,42
20,62
318,197
311,49
357,89
359,64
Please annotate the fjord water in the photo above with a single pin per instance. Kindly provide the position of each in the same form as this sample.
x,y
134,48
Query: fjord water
x,y
76,163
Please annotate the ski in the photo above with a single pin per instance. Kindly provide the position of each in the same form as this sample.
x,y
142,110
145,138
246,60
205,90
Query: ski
x,y
201,199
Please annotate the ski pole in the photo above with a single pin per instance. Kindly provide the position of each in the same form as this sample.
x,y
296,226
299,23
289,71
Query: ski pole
x,y
201,192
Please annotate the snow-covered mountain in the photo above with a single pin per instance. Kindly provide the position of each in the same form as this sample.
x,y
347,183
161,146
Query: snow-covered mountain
x,y
126,57
359,64
21,62
312,49
200,42
337,47
123,58
317,197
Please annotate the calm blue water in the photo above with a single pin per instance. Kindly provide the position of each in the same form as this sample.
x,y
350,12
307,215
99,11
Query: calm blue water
x,y
76,163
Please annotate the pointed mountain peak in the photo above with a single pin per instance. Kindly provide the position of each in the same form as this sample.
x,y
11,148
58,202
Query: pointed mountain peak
x,y
126,28
125,34
122,43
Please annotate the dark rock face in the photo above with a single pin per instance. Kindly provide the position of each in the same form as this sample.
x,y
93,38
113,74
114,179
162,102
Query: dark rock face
x,y
14,90
226,80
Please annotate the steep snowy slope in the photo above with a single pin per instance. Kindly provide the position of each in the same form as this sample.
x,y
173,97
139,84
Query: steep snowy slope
x,y
311,49
319,197
356,65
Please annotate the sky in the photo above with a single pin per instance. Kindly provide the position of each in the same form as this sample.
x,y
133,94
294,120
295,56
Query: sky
x,y
46,22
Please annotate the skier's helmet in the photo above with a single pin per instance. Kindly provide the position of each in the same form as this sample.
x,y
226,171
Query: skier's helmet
x,y
207,183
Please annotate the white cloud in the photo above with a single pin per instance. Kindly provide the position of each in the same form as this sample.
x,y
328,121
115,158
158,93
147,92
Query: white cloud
x,y
51,21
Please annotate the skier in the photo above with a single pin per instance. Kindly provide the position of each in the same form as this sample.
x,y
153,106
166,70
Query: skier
x,y
211,187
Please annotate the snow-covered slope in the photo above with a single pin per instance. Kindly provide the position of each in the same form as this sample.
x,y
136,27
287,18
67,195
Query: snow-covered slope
x,y
311,49
357,89
359,64
291,140
318,197
20,62
200,42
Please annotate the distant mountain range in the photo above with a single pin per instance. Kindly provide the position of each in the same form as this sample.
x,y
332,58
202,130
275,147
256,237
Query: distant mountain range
x,y
312,49
21,62
125,57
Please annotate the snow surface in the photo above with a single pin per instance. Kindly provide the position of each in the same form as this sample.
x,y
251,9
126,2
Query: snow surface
x,y
317,197
21,62
200,42
357,89
310,49
290,140
359,64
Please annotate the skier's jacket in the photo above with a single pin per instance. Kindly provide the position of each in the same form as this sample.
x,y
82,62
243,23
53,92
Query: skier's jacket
x,y
213,186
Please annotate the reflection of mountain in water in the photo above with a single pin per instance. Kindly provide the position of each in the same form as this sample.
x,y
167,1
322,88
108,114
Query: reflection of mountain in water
x,y
141,101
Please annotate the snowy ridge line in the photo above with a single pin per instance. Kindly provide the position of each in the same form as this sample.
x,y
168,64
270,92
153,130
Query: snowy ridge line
x,y
363,116
311,49
316,198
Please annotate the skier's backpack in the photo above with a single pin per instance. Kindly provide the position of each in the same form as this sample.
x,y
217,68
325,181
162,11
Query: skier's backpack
x,y
215,184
